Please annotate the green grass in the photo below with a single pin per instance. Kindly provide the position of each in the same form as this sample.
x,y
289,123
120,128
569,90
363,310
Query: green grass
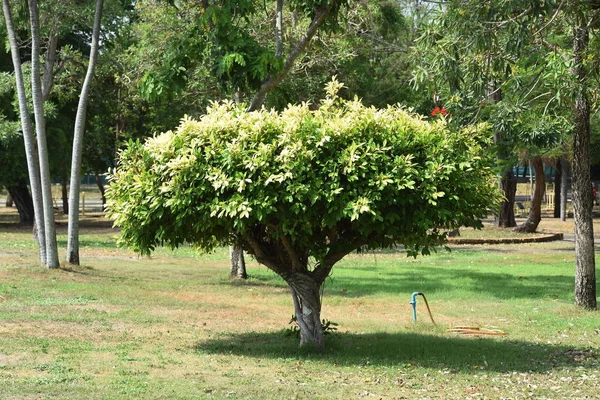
x,y
172,326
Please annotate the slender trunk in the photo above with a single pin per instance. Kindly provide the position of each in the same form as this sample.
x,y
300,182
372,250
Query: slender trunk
x,y
535,211
73,227
23,202
40,128
585,263
33,166
307,308
564,188
9,200
557,183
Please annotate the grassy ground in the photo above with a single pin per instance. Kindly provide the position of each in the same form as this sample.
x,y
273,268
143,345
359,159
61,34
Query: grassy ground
x,y
173,327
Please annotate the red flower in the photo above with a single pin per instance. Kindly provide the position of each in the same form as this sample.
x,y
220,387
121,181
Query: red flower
x,y
438,110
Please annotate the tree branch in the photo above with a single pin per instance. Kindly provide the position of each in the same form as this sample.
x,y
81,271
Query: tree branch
x,y
318,20
48,80
296,263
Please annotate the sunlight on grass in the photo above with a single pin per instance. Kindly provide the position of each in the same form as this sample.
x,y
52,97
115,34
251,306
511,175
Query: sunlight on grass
x,y
173,326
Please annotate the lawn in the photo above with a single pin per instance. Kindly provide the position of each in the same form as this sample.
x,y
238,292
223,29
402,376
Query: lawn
x,y
174,327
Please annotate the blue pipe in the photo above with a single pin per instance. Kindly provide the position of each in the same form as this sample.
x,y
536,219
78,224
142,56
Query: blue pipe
x,y
413,302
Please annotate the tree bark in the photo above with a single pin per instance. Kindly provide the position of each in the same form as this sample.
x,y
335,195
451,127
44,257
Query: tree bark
x,y
23,201
557,183
508,185
307,308
535,211
40,128
237,264
564,187
33,166
585,263
73,226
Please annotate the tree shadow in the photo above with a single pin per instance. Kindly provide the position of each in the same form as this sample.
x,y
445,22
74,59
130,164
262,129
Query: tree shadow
x,y
408,350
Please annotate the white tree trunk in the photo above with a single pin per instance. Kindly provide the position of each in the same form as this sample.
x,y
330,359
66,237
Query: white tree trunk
x,y
33,167
40,128
73,228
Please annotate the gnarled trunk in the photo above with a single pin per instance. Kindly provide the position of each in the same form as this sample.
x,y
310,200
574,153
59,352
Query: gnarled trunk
x,y
23,201
307,307
535,211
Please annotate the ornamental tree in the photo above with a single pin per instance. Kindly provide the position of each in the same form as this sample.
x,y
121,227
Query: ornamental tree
x,y
301,189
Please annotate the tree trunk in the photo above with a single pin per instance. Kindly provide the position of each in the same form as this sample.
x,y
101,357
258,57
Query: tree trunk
x,y
508,185
73,227
564,187
101,188
307,308
557,183
40,128
535,211
585,263
23,202
64,194
31,153
9,201
238,265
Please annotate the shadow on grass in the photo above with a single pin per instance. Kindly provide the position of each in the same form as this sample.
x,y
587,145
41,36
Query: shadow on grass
x,y
440,280
407,350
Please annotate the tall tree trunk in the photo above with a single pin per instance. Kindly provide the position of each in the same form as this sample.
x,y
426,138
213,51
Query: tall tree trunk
x,y
40,128
535,211
307,308
237,264
564,187
33,166
73,227
557,182
23,201
585,263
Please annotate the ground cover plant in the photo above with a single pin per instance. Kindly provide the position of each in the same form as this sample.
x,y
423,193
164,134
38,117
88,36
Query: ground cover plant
x,y
173,326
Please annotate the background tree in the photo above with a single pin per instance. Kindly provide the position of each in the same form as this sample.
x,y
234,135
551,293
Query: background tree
x,y
300,190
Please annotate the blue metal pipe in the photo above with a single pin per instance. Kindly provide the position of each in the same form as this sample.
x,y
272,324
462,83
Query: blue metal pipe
x,y
413,302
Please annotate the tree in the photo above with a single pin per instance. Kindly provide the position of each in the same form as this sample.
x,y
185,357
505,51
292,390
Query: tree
x,y
76,159
503,30
299,190
33,165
